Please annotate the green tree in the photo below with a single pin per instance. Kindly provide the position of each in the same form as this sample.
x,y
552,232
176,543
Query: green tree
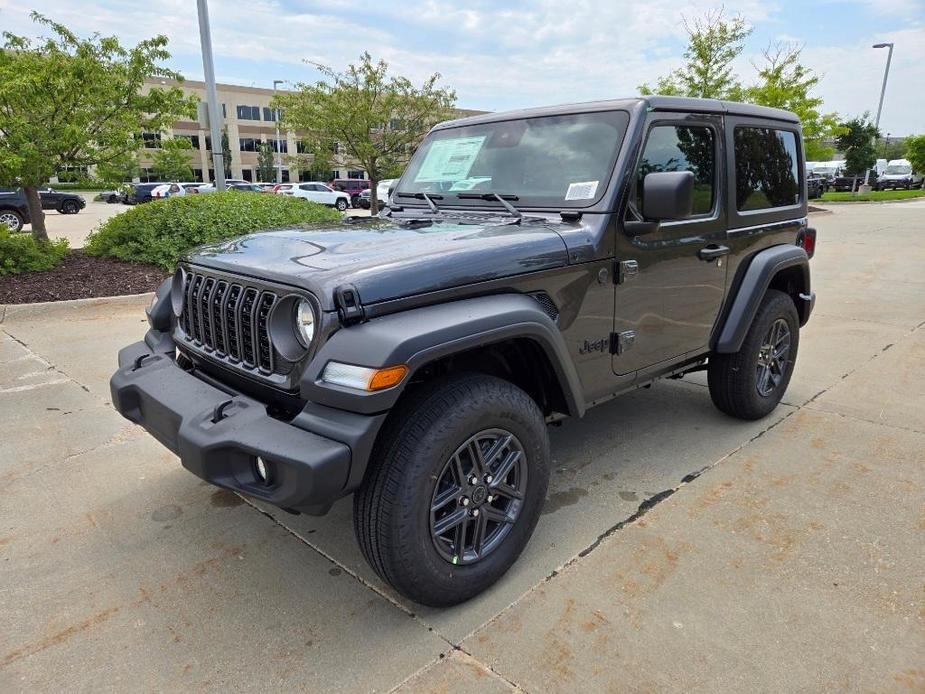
x,y
915,152
69,101
171,160
377,118
266,164
784,82
713,43
118,169
857,142
226,153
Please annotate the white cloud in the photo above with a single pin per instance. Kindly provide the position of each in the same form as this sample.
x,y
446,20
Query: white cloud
x,y
494,55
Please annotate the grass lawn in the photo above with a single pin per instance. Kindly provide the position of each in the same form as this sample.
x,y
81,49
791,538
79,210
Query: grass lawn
x,y
872,196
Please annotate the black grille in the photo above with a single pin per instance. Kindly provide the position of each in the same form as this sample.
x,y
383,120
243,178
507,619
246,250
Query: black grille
x,y
230,321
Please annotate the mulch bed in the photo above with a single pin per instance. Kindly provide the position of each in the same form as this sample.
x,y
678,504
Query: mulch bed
x,y
81,276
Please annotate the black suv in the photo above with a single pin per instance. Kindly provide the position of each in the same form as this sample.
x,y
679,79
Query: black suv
x,y
531,265
14,212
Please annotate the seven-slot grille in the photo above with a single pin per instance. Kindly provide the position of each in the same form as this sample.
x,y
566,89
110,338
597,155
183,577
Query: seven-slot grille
x,y
229,320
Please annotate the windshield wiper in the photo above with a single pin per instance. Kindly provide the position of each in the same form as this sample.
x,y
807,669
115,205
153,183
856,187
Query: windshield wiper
x,y
503,199
429,197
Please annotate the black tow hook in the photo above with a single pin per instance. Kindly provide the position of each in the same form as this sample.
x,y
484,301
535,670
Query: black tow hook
x,y
218,414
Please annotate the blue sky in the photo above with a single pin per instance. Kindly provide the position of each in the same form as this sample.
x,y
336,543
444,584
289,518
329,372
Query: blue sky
x,y
499,56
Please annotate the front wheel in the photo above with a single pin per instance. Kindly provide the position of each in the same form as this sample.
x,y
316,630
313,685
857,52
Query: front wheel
x,y
69,207
12,220
341,204
751,382
454,489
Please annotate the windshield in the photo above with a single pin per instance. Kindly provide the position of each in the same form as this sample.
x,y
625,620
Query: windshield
x,y
552,161
898,169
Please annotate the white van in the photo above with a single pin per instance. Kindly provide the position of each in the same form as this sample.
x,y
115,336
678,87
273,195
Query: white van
x,y
899,174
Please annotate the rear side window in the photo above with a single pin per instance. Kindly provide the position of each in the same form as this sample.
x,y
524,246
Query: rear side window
x,y
766,168
681,148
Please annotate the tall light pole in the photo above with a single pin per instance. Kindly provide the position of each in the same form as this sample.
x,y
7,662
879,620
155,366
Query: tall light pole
x,y
208,68
279,159
886,74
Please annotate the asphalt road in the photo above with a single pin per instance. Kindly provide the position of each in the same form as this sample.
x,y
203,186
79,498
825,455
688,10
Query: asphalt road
x,y
781,555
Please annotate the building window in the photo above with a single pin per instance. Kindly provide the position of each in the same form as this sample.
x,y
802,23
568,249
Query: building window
x,y
681,148
356,174
197,174
248,144
151,140
247,175
766,168
248,113
282,144
285,176
272,114
193,140
146,176
212,175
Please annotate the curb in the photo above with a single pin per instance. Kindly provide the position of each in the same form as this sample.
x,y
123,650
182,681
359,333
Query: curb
x,y
8,311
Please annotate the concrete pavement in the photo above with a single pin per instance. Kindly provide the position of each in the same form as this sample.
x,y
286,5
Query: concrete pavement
x,y
679,550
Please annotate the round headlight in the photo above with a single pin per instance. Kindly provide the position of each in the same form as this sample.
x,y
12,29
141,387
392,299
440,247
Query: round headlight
x,y
305,323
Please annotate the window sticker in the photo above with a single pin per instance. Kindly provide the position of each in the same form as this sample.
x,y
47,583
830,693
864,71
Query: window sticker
x,y
450,159
585,190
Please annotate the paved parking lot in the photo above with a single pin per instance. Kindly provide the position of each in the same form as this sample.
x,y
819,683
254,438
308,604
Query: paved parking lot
x,y
679,549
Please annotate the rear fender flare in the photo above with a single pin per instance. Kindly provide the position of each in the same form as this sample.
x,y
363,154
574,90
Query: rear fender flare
x,y
751,290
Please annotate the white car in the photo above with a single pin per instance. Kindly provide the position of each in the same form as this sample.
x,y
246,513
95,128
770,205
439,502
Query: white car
x,y
210,187
899,174
169,190
316,192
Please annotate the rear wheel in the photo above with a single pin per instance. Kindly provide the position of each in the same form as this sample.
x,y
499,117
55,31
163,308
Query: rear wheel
x,y
12,220
455,488
750,383
69,207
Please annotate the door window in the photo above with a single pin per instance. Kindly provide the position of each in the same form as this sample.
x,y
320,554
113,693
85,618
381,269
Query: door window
x,y
681,148
766,168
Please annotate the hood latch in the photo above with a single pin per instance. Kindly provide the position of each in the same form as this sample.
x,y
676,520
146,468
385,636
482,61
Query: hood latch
x,y
349,308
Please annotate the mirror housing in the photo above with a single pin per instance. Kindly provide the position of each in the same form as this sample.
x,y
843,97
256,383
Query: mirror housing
x,y
668,195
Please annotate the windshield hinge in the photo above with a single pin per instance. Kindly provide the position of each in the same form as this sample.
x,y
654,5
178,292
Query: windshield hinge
x,y
349,308
625,270
570,215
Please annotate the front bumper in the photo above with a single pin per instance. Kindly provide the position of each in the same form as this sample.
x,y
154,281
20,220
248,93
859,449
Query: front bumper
x,y
218,435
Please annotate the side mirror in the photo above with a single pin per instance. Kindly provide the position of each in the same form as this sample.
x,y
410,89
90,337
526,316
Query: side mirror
x,y
668,195
391,190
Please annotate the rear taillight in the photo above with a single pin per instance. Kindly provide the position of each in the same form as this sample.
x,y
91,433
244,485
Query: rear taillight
x,y
276,188
806,240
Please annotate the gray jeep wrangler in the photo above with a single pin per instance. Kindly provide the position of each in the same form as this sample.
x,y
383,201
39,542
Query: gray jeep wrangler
x,y
529,266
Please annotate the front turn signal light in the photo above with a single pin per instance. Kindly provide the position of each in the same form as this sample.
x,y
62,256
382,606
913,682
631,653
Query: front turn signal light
x,y
363,377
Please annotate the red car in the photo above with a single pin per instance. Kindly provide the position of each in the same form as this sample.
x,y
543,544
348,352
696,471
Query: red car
x,y
352,187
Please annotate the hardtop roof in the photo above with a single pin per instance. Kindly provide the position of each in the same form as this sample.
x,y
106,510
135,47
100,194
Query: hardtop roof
x,y
656,103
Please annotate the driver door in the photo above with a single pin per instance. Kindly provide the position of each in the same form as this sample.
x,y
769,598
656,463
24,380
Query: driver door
x,y
667,308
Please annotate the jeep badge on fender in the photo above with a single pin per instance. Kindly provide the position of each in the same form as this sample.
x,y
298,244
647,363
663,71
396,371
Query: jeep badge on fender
x,y
528,264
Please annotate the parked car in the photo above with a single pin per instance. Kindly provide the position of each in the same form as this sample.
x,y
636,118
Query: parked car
x,y
141,192
316,192
14,212
382,193
352,187
816,186
65,203
247,187
111,196
210,187
899,174
850,183
417,359
170,190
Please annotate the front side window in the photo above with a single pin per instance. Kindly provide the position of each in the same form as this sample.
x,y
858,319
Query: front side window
x,y
681,148
767,173
551,161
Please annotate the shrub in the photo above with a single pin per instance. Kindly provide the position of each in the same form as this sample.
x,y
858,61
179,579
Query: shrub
x,y
22,253
160,232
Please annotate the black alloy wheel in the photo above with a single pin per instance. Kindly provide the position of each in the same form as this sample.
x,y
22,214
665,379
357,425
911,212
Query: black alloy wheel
x,y
773,357
478,496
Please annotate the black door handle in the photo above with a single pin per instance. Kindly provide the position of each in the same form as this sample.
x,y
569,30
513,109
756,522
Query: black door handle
x,y
712,252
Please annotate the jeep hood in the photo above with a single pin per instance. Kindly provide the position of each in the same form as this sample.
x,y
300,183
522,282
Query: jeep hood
x,y
384,260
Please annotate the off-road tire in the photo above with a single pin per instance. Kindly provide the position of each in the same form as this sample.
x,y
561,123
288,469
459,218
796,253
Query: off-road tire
x,y
733,378
391,510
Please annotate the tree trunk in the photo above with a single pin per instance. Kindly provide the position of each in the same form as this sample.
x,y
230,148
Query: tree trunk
x,y
373,196
37,217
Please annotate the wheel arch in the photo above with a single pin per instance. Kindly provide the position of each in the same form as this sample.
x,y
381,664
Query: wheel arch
x,y
783,267
505,335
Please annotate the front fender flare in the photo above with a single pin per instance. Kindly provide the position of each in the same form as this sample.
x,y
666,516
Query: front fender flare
x,y
751,290
419,336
